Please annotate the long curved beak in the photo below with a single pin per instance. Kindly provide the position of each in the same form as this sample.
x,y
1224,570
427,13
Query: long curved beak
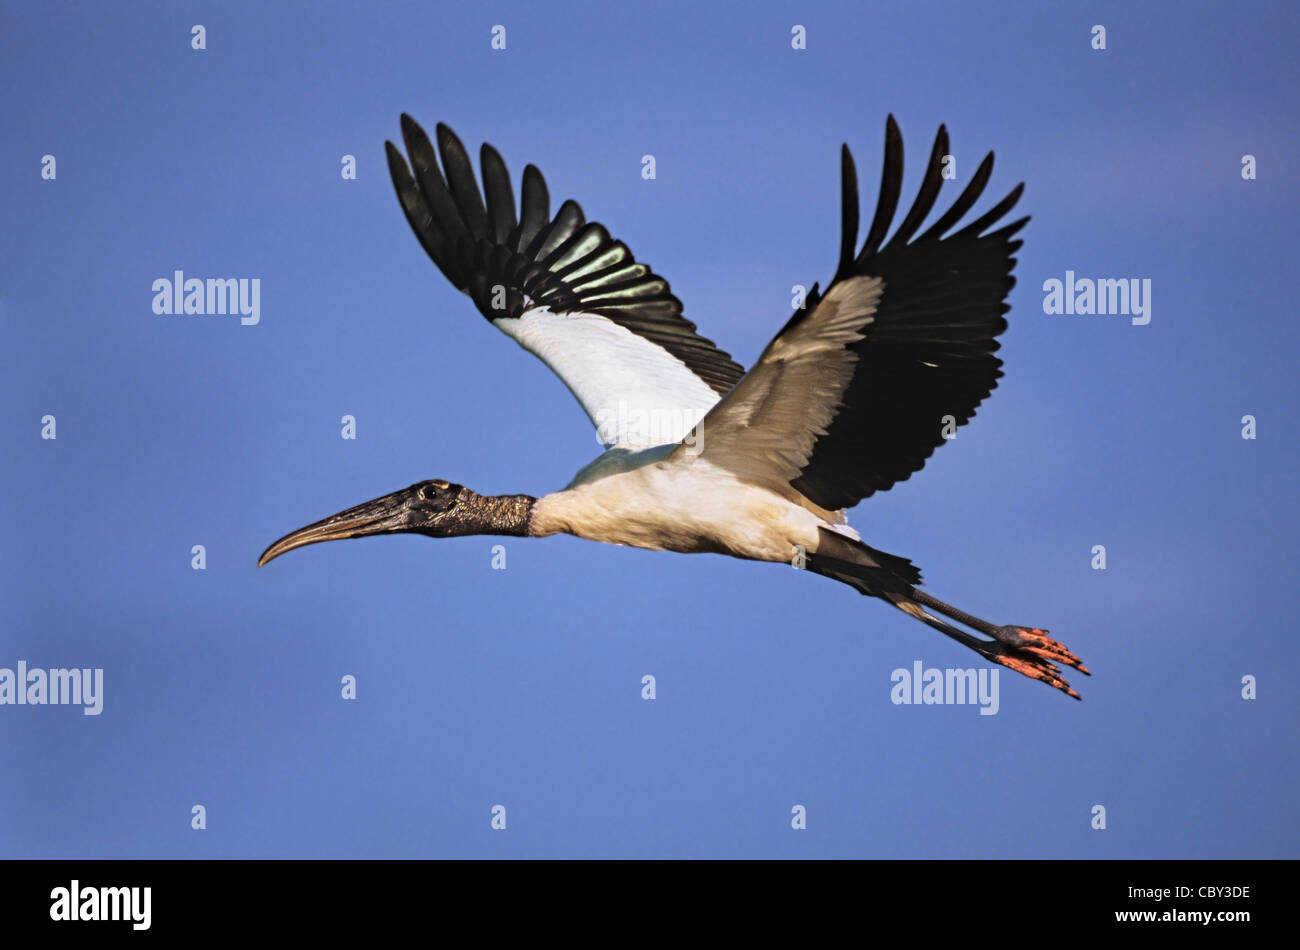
x,y
384,515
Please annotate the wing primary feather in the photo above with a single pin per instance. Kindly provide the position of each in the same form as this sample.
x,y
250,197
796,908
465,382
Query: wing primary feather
x,y
848,212
567,220
1008,231
413,206
500,195
536,207
994,213
891,184
929,191
963,204
424,163
460,180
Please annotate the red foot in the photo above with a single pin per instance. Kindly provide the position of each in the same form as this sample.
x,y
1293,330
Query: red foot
x,y
1033,666
1036,641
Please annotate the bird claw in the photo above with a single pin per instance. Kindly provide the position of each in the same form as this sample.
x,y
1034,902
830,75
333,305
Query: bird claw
x,y
1037,642
1030,662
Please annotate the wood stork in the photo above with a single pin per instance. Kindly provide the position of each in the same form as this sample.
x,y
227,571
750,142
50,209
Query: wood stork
x,y
851,396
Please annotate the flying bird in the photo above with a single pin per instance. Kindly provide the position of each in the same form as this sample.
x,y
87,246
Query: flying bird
x,y
853,394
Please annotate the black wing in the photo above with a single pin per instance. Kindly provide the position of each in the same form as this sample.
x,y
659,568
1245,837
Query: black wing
x,y
508,264
927,352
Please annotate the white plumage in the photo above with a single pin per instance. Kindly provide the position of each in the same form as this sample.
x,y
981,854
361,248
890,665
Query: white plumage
x,y
636,394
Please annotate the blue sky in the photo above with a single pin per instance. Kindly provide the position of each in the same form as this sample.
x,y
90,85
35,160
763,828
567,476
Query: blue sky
x,y
522,687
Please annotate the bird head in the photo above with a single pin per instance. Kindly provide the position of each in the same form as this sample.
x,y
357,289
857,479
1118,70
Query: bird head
x,y
435,508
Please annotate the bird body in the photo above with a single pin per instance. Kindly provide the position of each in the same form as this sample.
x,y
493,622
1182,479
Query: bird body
x,y
678,503
852,395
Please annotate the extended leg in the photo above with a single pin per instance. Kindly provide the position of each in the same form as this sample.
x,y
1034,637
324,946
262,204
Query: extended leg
x,y
1032,661
1030,639
1026,650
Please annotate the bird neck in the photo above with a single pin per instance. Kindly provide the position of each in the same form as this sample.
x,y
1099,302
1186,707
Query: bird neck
x,y
495,514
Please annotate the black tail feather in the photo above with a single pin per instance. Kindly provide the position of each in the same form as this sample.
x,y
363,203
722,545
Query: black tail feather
x,y
861,566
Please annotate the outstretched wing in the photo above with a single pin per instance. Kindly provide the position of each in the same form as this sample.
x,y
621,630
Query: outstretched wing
x,y
562,288
860,386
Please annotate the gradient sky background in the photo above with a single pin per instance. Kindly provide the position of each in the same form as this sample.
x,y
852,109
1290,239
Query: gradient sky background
x,y
522,687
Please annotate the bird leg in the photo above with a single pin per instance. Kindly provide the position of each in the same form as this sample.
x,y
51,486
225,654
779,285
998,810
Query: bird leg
x,y
1026,650
1031,639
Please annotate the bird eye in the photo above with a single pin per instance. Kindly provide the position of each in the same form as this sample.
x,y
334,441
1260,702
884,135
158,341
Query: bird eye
x,y
438,495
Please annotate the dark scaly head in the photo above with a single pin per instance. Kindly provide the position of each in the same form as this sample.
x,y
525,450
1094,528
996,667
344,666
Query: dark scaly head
x,y
435,508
